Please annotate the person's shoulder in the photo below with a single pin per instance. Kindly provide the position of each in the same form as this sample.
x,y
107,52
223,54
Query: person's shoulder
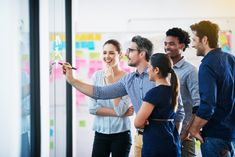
x,y
123,73
190,67
129,75
97,74
229,55
153,90
187,63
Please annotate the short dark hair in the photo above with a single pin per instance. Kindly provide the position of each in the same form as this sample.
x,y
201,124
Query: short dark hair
x,y
114,43
144,44
182,35
208,29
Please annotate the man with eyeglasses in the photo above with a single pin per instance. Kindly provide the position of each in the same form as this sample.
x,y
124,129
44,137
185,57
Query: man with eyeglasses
x,y
135,84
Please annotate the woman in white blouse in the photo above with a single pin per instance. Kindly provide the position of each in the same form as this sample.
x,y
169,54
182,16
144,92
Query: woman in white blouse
x,y
111,122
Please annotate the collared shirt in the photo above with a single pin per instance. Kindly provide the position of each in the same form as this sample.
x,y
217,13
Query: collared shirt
x,y
217,93
189,91
136,86
109,124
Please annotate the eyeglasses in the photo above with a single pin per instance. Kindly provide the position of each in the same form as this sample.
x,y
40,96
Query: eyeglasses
x,y
131,50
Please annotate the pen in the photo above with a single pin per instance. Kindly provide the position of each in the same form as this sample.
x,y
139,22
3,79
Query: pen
x,y
70,67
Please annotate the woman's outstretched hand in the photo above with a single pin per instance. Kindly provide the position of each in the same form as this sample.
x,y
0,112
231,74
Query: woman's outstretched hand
x,y
67,71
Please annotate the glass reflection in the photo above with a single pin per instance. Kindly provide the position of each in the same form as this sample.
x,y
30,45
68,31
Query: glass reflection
x,y
25,79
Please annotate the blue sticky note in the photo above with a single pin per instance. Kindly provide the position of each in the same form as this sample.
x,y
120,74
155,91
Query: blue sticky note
x,y
51,132
91,45
77,45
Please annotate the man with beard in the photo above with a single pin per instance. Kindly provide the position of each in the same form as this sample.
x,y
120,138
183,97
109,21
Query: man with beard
x,y
216,113
135,84
176,42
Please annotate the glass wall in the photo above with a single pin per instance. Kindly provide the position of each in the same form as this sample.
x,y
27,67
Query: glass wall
x,y
14,18
25,78
57,83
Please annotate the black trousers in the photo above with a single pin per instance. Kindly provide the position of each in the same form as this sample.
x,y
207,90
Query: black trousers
x,y
118,144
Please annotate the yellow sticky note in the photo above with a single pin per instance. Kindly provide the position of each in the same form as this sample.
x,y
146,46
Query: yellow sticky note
x,y
94,55
79,54
97,36
78,37
90,37
52,37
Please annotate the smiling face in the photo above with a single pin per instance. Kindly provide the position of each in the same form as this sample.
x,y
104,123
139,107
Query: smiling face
x,y
198,45
133,55
110,55
172,47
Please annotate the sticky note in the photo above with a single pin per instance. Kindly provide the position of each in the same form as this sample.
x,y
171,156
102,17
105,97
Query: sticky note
x,y
82,123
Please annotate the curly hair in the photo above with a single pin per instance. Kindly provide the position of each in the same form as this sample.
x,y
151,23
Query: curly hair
x,y
182,35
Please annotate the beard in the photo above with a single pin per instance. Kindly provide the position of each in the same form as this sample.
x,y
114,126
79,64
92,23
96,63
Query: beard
x,y
200,52
132,64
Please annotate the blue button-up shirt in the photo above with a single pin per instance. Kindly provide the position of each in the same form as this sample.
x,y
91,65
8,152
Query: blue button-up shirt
x,y
217,93
189,91
136,86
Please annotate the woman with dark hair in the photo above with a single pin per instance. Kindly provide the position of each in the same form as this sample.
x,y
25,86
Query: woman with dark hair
x,y
111,122
156,115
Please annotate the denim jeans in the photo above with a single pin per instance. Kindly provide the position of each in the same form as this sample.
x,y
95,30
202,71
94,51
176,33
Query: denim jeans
x,y
215,147
118,144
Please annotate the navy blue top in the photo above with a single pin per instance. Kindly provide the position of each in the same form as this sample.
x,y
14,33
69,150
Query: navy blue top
x,y
161,138
136,85
217,93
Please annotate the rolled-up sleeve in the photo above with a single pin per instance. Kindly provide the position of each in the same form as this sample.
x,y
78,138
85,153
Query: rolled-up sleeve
x,y
208,91
123,106
110,92
93,103
93,106
180,114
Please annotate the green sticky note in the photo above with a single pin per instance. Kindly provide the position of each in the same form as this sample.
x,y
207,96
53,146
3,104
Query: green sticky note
x,y
51,122
94,55
51,145
82,123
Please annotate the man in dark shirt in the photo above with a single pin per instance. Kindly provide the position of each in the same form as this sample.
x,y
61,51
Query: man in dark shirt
x,y
216,113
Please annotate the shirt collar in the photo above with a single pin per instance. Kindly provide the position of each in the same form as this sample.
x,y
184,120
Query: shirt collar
x,y
145,72
179,63
210,53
